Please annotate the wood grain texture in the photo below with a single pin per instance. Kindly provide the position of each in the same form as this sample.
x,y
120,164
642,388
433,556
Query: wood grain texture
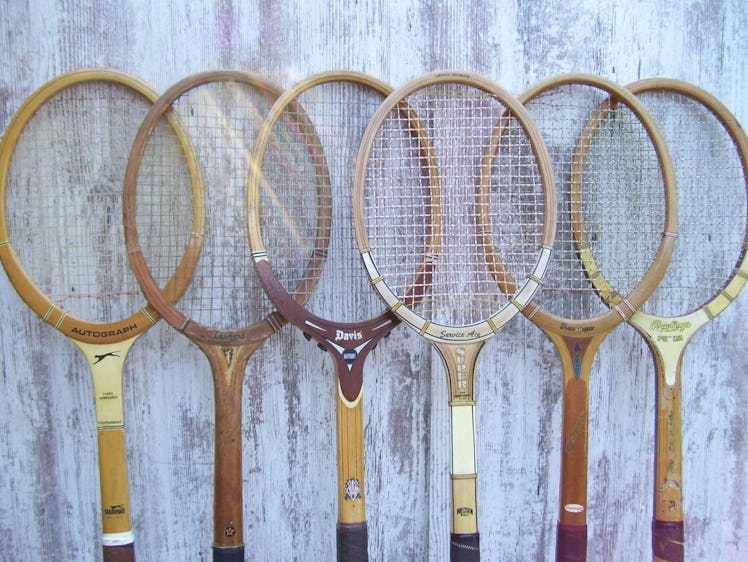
x,y
47,449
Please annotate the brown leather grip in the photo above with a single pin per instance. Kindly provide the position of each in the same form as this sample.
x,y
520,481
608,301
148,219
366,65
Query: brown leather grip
x,y
667,540
121,553
464,548
353,539
571,543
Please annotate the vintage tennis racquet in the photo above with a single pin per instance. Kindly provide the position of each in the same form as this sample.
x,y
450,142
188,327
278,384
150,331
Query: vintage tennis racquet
x,y
62,163
706,273
224,311
454,206
332,303
617,218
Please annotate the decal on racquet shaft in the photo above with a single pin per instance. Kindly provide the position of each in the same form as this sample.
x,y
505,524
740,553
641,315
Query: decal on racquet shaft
x,y
706,273
313,272
454,206
62,163
224,311
617,217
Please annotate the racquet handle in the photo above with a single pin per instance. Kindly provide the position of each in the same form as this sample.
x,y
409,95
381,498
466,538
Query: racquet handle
x,y
228,554
122,553
667,541
571,543
353,540
464,548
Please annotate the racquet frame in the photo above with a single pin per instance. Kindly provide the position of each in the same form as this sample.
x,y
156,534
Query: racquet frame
x,y
458,347
105,346
577,340
348,358
228,351
668,339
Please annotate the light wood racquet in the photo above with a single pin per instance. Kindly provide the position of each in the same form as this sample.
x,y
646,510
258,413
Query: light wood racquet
x,y
617,218
443,153
707,271
318,283
62,163
224,311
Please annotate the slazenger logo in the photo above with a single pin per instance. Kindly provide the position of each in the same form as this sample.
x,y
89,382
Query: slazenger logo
x,y
340,335
107,334
672,326
115,509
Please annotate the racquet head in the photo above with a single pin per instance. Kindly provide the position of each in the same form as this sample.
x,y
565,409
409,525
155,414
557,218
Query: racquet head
x,y
451,176
710,154
61,168
221,112
617,214
301,226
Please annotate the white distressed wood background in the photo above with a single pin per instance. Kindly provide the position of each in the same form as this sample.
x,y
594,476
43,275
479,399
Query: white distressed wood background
x,y
48,471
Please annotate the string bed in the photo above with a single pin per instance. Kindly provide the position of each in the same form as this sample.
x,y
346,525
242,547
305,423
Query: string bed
x,y
305,199
428,203
711,201
611,197
64,195
221,120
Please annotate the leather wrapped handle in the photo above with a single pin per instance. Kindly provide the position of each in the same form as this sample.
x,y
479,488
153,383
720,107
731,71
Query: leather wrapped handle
x,y
464,548
353,539
667,540
571,543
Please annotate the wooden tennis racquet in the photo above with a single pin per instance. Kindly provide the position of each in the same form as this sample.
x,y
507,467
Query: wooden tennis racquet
x,y
285,187
449,162
224,311
62,163
706,273
616,229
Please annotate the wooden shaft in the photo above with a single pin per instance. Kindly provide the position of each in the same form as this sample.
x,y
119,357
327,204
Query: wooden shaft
x,y
351,494
669,458
106,362
577,354
668,339
352,532
115,503
460,361
228,365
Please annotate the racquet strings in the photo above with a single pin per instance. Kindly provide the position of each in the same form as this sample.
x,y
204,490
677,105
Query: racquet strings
x,y
72,155
221,120
611,199
712,203
424,203
305,199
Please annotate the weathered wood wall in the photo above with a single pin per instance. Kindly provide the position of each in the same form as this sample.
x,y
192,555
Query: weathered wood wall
x,y
48,471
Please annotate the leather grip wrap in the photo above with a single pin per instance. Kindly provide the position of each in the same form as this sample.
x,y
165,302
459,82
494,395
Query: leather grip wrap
x,y
120,553
228,554
667,540
464,548
353,542
571,543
